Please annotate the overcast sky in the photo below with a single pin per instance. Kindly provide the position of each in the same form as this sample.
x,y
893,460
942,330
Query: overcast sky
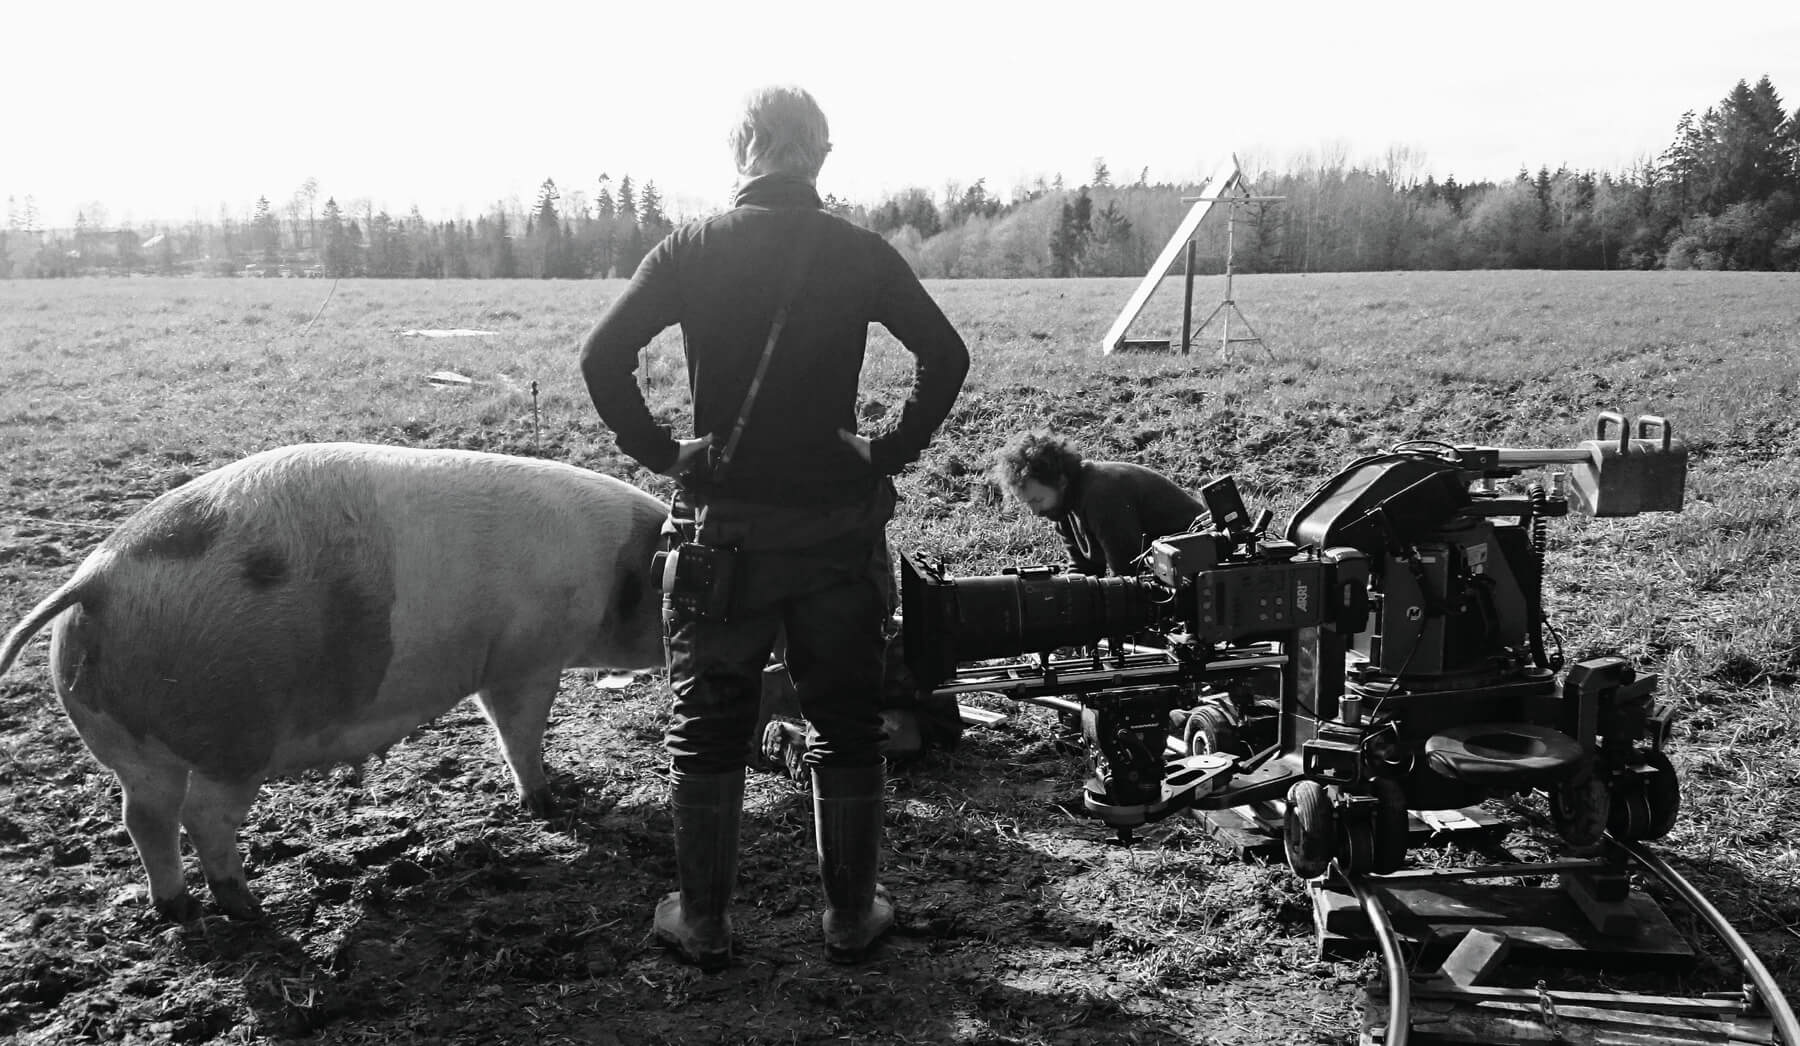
x,y
175,109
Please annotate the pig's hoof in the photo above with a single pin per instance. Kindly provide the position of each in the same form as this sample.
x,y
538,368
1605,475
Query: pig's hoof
x,y
541,803
177,909
236,900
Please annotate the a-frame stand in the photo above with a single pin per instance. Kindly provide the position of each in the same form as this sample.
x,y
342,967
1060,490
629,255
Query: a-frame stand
x,y
1227,184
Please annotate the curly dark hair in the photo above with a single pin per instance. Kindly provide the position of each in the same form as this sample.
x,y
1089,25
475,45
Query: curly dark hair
x,y
1036,455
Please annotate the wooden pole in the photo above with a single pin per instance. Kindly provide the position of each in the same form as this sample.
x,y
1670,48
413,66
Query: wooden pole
x,y
1230,246
1187,301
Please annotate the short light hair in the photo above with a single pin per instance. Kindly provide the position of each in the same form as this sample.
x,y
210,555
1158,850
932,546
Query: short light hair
x,y
1037,455
782,131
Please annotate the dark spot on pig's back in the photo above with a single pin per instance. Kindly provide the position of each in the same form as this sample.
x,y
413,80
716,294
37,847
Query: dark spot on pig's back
x,y
265,568
179,525
631,593
356,640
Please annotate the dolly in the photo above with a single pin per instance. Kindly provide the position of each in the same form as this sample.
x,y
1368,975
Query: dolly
x,y
1389,653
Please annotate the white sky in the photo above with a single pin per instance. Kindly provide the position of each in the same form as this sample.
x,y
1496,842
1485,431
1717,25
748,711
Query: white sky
x,y
174,109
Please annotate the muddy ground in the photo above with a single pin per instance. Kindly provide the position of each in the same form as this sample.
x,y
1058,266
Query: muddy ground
x,y
415,903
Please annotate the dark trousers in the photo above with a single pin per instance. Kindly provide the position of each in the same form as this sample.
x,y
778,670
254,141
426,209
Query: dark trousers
x,y
831,600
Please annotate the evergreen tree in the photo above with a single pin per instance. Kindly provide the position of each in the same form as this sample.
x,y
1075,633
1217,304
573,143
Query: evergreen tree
x,y
650,213
1102,174
1069,241
339,261
1452,194
265,232
506,266
627,200
975,202
543,231
1748,161
1684,166
1109,247
912,208
1541,186
308,195
388,257
603,203
546,202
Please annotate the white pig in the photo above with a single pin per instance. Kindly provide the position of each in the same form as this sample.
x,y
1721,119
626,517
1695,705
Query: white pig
x,y
314,604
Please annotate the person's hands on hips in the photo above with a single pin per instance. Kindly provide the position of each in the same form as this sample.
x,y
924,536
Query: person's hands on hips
x,y
858,443
690,454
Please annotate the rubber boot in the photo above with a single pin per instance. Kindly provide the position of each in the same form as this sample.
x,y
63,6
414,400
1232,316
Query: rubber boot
x,y
693,921
847,814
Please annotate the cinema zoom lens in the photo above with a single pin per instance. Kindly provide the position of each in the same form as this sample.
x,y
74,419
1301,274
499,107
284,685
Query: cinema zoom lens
x,y
1035,610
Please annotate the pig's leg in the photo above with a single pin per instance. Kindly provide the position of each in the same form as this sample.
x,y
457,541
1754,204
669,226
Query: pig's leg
x,y
212,815
519,710
152,804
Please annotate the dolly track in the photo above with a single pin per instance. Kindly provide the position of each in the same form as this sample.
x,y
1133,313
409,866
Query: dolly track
x,y
1761,999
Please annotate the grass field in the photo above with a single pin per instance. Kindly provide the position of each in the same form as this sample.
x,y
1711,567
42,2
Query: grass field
x,y
409,902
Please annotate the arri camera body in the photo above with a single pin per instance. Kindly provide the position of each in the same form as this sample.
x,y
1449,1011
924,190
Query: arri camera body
x,y
1388,653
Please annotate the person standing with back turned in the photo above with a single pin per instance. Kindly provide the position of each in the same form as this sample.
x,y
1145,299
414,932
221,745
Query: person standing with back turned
x,y
789,482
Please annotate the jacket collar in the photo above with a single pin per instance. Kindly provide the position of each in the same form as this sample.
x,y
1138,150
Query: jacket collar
x,y
778,190
1071,496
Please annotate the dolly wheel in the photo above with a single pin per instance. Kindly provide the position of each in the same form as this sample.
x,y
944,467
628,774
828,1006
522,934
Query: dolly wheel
x,y
1629,817
1391,822
1645,805
1664,790
1579,808
1358,847
1310,834
1209,733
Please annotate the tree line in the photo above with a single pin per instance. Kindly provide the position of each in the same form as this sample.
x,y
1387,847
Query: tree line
x,y
1725,194
582,236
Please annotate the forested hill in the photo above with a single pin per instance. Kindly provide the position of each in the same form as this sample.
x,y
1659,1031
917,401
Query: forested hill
x,y
1725,194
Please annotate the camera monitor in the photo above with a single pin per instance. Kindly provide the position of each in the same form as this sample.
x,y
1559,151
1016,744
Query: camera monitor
x,y
1226,506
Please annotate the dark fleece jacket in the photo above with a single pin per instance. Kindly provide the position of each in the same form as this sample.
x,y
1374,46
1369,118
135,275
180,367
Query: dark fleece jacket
x,y
720,279
1113,510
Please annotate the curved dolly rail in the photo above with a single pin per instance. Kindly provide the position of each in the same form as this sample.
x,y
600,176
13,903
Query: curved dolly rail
x,y
1399,977
1769,992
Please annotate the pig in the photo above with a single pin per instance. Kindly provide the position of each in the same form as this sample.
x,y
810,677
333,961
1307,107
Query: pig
x,y
314,604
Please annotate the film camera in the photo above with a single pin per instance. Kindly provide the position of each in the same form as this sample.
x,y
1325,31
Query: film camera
x,y
1389,653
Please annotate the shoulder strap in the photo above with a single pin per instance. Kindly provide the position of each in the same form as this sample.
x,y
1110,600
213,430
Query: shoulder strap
x,y
803,251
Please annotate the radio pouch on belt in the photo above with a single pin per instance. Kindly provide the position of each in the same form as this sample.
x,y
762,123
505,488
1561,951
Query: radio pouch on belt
x,y
696,578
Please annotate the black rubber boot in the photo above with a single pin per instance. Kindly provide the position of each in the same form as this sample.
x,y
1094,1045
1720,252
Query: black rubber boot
x,y
693,921
847,815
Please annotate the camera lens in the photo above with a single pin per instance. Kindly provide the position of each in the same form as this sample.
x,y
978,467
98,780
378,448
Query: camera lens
x,y
951,620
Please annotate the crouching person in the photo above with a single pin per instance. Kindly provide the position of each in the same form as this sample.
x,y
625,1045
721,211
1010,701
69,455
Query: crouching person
x,y
1106,512
774,299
